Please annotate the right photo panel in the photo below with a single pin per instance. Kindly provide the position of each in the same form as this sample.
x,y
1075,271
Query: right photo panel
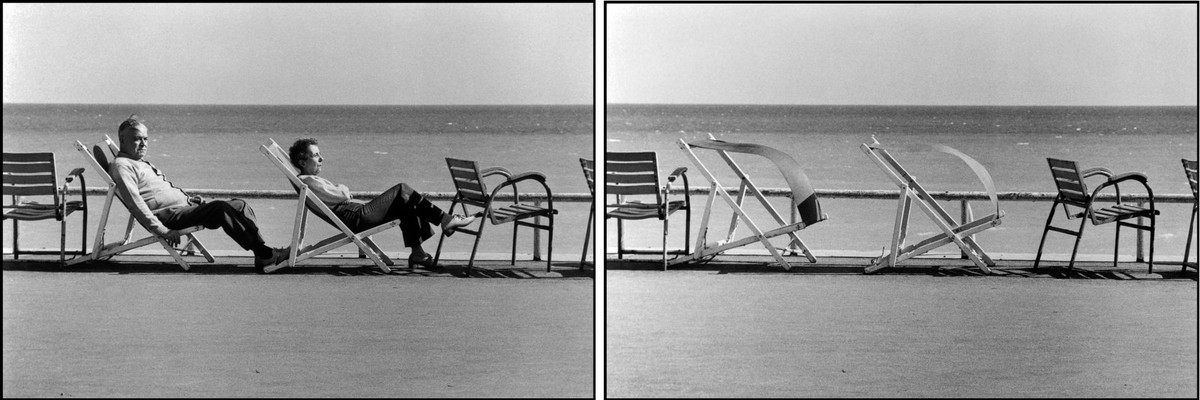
x,y
899,200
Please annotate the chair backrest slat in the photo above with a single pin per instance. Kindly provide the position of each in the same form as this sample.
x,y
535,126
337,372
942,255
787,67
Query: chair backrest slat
x,y
467,180
632,173
1189,168
589,174
30,174
1068,180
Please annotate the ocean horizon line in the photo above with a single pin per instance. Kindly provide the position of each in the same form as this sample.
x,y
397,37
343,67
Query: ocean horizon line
x,y
900,105
296,105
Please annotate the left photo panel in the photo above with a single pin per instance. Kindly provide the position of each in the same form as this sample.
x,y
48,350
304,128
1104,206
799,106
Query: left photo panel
x,y
299,200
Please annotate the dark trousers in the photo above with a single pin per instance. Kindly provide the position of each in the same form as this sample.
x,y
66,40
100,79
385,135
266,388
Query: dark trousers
x,y
416,214
233,216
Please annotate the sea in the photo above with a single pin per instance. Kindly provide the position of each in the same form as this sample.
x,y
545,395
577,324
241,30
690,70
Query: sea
x,y
367,148
370,148
1012,142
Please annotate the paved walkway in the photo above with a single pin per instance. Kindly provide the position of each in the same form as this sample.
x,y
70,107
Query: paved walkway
x,y
143,327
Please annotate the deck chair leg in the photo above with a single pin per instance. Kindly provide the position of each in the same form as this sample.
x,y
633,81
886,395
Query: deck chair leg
x,y
1116,243
1152,244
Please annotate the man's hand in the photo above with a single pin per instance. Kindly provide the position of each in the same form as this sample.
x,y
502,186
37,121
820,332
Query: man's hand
x,y
172,238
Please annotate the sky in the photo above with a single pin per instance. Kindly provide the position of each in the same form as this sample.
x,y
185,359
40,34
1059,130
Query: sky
x,y
384,54
902,54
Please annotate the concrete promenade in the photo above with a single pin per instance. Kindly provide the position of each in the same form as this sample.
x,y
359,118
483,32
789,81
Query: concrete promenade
x,y
140,326
735,327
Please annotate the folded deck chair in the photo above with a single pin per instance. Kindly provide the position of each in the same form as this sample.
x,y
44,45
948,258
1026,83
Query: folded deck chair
x,y
471,190
307,202
803,200
1072,192
1189,168
635,174
34,174
960,233
99,157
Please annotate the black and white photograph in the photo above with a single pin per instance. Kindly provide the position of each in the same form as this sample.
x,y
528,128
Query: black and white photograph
x,y
863,200
299,200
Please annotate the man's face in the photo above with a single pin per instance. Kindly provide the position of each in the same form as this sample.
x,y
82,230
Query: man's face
x,y
133,143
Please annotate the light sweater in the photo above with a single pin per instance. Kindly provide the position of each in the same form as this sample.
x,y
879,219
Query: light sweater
x,y
145,190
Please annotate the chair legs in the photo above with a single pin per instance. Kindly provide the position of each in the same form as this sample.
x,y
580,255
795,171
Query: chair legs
x,y
587,235
1077,234
1187,249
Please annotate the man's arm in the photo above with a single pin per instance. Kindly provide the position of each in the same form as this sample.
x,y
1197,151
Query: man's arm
x,y
126,178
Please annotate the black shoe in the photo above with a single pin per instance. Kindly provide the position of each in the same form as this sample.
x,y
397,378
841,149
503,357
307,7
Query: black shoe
x,y
277,256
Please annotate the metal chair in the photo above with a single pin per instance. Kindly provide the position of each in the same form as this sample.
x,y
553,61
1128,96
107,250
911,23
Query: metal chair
x,y
589,174
1072,192
636,174
34,174
471,190
1189,168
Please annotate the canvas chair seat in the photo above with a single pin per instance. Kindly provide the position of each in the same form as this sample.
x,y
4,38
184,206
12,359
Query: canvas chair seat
x,y
99,156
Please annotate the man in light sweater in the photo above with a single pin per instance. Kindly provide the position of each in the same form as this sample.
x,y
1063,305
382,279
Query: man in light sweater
x,y
166,209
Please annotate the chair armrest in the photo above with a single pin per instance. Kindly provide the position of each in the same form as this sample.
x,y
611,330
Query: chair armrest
x,y
486,172
687,199
681,171
1137,176
538,176
75,172
1096,171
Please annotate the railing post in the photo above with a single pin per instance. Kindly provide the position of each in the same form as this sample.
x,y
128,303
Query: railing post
x,y
1140,256
965,216
537,237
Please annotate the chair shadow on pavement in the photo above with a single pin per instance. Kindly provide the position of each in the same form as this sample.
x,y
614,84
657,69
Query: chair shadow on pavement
x,y
327,267
927,267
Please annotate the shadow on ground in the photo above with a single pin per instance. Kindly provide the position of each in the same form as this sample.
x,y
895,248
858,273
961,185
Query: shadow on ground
x,y
335,267
942,267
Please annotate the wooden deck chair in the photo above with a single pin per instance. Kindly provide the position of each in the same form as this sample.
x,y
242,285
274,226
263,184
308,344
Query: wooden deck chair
x,y
34,174
98,157
471,190
1072,192
636,174
911,192
589,174
803,200
306,202
1189,168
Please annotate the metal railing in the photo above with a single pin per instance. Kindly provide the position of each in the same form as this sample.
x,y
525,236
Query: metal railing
x,y
964,198
537,199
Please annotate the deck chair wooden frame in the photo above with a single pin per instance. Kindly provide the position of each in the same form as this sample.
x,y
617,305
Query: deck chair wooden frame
x,y
1072,192
307,202
34,174
589,175
107,150
912,193
470,189
636,174
803,200
1189,169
